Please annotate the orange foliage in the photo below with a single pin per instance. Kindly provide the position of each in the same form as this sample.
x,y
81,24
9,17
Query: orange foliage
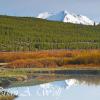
x,y
53,58
11,56
28,63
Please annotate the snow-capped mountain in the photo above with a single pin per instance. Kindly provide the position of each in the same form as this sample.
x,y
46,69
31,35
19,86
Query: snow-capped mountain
x,y
67,17
62,84
55,88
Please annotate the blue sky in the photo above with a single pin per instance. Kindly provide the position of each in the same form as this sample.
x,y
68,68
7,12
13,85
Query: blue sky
x,y
90,8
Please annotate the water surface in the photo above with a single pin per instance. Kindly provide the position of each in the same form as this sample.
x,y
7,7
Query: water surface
x,y
84,88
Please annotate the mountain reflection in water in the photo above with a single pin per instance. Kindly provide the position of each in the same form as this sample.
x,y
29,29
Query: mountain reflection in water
x,y
61,84
84,88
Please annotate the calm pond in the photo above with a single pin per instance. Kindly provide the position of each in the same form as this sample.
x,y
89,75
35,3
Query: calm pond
x,y
75,88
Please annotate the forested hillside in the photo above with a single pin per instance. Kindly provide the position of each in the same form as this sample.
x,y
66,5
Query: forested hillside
x,y
27,34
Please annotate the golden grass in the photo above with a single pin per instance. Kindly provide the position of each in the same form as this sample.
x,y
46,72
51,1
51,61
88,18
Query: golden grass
x,y
7,98
54,58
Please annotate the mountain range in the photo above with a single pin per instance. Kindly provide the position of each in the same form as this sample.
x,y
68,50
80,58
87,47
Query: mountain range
x,y
61,84
66,17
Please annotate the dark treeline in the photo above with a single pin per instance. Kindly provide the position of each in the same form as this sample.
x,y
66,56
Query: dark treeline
x,y
27,34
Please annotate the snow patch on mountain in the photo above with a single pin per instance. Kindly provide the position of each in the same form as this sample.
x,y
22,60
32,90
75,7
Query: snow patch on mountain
x,y
44,15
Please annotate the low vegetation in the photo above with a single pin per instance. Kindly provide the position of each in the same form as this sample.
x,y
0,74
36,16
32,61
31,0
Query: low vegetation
x,y
28,34
50,59
6,95
6,98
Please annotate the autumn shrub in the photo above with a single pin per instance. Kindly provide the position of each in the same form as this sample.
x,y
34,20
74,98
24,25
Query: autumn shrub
x,y
11,56
28,63
53,58
90,57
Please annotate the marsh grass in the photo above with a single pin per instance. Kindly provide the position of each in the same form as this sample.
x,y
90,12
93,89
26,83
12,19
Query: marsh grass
x,y
50,59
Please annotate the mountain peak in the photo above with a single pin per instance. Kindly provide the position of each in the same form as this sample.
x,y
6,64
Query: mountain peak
x,y
65,16
65,11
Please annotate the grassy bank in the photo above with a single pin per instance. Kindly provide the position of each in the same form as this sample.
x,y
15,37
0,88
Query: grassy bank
x,y
51,59
23,77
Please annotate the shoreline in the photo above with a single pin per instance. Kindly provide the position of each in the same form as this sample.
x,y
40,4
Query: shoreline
x,y
18,67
